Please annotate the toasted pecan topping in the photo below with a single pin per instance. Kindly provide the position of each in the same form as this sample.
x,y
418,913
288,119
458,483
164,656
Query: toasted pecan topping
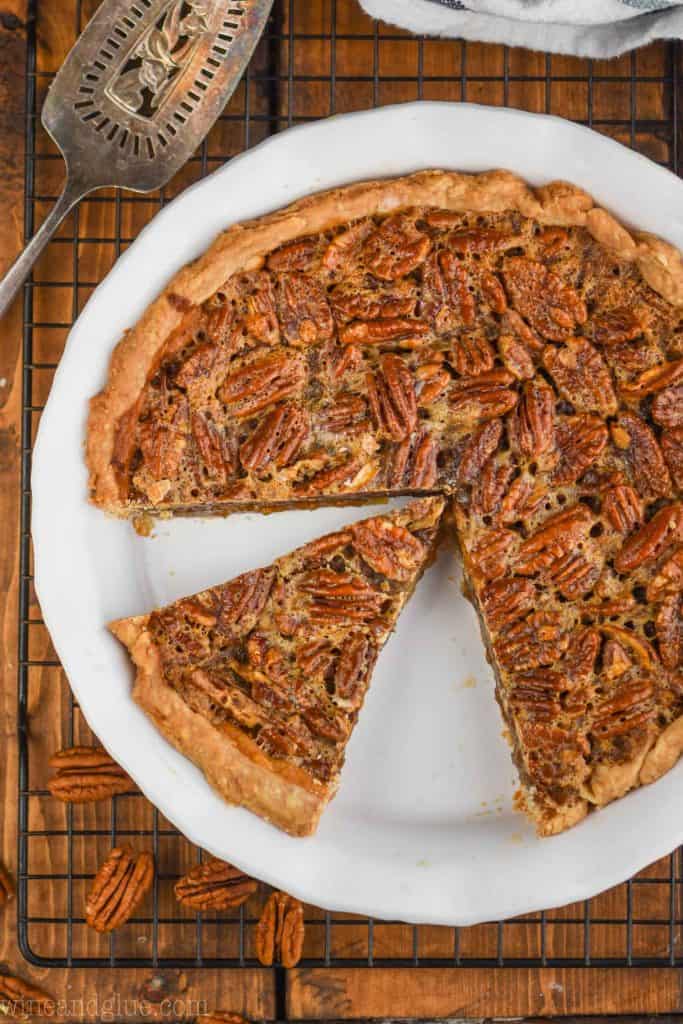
x,y
513,365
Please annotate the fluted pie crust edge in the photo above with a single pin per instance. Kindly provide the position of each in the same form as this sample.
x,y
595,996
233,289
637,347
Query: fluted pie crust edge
x,y
244,246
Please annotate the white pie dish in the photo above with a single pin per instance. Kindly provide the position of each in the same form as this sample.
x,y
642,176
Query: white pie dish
x,y
423,827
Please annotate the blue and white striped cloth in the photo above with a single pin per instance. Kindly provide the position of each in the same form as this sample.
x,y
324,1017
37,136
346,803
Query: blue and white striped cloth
x,y
589,28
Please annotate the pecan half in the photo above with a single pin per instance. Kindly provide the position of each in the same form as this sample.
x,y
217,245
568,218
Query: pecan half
x,y
327,721
579,660
406,332
304,311
538,693
119,887
551,307
672,450
471,354
623,508
506,601
163,438
489,558
259,380
539,639
554,540
521,499
574,574
492,291
343,473
629,709
242,601
204,362
353,669
87,773
20,1000
277,439
340,597
491,487
213,447
581,376
486,397
214,885
472,240
616,326
316,658
667,407
396,248
531,426
479,449
669,626
387,547
287,739
259,312
347,413
352,300
580,441
516,357
343,253
665,527
649,470
391,394
297,255
280,931
447,301
414,462
656,379
514,326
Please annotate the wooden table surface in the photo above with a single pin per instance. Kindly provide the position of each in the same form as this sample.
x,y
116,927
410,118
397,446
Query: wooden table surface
x,y
329,993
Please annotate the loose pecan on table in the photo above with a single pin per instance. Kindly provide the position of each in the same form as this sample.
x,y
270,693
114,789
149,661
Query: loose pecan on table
x,y
118,888
214,885
20,1000
87,773
280,931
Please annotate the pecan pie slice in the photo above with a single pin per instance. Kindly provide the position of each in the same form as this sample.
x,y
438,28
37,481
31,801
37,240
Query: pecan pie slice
x,y
514,349
260,681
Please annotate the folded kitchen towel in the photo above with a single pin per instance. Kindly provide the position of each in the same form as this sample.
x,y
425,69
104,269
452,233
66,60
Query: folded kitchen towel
x,y
588,28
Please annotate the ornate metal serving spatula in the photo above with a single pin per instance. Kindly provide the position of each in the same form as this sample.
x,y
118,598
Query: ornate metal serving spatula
x,y
137,94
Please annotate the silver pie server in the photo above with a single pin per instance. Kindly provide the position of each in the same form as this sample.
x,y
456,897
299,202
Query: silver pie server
x,y
136,95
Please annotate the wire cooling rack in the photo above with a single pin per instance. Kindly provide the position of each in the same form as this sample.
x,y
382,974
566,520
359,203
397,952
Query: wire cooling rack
x,y
317,57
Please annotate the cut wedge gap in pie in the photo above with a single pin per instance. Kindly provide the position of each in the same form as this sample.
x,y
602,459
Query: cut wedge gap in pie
x,y
514,349
260,681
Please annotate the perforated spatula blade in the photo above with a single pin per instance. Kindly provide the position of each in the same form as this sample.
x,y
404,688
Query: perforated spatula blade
x,y
137,94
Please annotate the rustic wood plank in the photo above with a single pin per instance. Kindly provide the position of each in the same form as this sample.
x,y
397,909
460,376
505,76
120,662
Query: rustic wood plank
x,y
476,993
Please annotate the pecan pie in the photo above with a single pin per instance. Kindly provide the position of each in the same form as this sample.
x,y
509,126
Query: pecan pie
x,y
260,681
515,349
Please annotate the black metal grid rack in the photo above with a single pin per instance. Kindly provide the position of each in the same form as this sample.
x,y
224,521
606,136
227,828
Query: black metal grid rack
x,y
314,59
